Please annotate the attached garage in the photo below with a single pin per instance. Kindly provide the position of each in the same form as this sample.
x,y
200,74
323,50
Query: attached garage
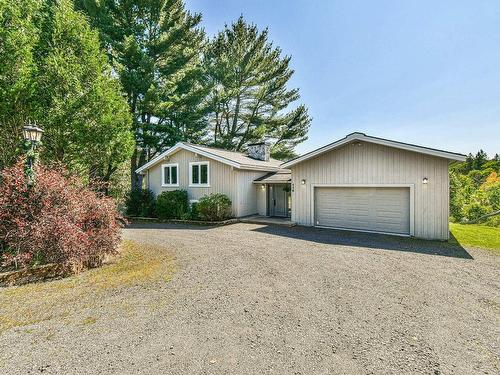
x,y
366,183
371,209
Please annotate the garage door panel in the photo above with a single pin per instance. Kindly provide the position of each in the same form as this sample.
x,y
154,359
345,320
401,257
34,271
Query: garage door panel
x,y
383,209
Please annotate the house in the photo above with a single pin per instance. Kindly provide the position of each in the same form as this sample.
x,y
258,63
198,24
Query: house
x,y
359,182
202,170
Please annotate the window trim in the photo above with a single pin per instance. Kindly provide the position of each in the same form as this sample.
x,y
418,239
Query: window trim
x,y
163,166
207,163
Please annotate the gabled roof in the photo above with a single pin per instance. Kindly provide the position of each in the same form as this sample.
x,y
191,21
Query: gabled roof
x,y
381,141
235,159
282,176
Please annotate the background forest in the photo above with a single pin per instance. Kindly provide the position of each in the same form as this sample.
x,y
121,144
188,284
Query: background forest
x,y
475,189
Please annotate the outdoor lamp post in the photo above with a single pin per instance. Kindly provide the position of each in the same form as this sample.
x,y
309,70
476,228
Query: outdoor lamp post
x,y
32,135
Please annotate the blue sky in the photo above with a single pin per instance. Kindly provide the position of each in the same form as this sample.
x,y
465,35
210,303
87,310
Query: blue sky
x,y
424,72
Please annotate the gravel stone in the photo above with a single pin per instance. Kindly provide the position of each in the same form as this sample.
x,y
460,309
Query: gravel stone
x,y
256,299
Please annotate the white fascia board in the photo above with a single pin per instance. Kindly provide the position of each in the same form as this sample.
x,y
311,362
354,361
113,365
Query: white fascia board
x,y
158,159
209,155
381,141
415,148
179,146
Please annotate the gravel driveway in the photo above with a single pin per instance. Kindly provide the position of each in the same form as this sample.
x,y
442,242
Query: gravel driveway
x,y
253,299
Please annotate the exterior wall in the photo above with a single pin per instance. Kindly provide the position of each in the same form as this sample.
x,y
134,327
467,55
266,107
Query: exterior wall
x,y
247,192
370,163
236,184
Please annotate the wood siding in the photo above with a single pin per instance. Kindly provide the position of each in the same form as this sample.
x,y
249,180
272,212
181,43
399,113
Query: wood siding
x,y
236,184
372,164
248,193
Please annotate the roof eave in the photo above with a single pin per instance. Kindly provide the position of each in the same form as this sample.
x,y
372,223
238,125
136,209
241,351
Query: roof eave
x,y
272,181
194,149
259,168
381,141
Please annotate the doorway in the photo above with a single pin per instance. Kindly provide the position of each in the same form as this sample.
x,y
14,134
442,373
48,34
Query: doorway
x,y
278,203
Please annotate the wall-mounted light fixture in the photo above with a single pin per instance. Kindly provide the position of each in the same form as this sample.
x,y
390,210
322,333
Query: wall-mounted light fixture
x,y
425,180
263,186
303,182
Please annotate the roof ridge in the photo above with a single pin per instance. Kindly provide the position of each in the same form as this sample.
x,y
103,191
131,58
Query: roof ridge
x,y
213,148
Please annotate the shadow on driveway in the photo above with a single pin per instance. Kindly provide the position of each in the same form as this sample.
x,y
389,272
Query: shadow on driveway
x,y
369,240
449,248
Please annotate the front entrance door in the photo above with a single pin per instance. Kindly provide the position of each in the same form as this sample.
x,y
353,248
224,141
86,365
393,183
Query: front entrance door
x,y
278,200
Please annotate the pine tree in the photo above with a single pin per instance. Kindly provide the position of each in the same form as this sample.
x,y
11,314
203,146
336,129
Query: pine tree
x,y
469,163
155,47
249,98
480,159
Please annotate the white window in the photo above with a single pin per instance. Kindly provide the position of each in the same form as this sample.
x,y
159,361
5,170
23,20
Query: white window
x,y
199,174
170,175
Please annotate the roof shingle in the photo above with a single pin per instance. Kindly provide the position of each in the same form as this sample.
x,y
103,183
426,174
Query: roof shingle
x,y
237,157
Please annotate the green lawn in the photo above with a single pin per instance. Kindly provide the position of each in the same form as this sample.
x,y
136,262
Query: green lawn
x,y
474,235
108,286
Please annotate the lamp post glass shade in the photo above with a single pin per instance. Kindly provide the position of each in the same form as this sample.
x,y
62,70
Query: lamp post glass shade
x,y
32,133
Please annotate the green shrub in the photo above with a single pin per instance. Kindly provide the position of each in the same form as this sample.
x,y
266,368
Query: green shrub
x,y
56,220
493,195
140,202
475,210
194,213
172,205
493,221
214,207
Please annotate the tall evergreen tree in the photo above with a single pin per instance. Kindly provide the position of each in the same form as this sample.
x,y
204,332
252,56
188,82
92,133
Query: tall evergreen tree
x,y
68,88
155,47
480,159
18,36
85,117
469,163
250,100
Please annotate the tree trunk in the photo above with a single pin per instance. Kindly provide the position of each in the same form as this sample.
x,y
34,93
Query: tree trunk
x,y
134,180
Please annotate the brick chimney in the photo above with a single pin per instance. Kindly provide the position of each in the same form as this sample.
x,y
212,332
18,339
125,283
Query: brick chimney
x,y
259,151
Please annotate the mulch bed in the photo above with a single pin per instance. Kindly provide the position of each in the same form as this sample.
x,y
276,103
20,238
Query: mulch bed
x,y
177,221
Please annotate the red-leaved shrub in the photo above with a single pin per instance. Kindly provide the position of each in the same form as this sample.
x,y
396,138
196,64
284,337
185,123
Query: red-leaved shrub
x,y
57,220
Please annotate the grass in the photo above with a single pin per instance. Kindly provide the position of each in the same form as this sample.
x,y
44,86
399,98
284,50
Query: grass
x,y
67,298
479,236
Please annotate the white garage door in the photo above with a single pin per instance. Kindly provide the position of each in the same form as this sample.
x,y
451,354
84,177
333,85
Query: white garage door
x,y
363,208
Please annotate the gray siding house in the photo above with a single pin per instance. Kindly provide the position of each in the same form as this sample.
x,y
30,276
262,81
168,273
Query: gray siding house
x,y
359,183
